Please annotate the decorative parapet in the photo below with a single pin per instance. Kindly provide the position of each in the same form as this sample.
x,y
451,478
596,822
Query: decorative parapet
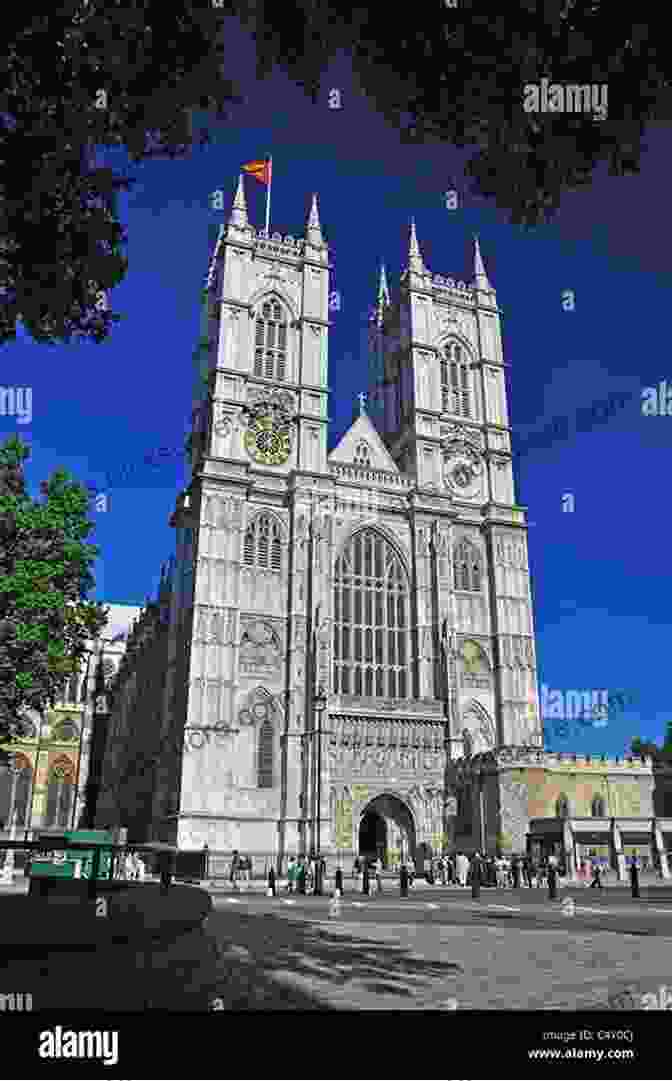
x,y
524,756
460,289
379,476
279,245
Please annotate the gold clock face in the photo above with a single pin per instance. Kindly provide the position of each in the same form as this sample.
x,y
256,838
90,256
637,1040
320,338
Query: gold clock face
x,y
267,443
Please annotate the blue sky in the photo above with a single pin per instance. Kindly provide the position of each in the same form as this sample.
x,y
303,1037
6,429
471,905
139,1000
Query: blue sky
x,y
601,593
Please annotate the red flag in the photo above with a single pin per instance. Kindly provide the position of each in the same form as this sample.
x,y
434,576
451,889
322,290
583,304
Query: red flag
x,y
260,170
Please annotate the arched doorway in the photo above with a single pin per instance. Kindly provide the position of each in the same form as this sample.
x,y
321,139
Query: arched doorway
x,y
387,830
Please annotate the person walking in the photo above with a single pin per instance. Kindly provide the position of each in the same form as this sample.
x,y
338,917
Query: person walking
x,y
235,869
291,874
356,871
541,875
411,871
379,874
301,876
527,871
403,880
515,873
462,867
597,875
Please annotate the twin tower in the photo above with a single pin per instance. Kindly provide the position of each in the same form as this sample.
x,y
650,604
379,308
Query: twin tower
x,y
356,623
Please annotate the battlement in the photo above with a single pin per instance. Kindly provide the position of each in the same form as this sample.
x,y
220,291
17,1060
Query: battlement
x,y
560,760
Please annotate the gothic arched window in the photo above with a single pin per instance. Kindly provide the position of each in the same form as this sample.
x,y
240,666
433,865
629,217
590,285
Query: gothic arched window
x,y
455,382
363,454
266,753
562,807
467,567
371,620
262,546
270,341
597,807
59,794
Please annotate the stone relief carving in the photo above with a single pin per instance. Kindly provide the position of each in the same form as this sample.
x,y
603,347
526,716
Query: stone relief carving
x,y
260,647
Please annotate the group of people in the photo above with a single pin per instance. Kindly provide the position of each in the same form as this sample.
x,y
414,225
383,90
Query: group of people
x,y
302,873
241,868
131,868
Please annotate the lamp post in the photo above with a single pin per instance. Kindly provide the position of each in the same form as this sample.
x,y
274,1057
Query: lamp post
x,y
319,705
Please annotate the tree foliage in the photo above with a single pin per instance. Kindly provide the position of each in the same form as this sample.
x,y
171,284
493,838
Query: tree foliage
x,y
45,619
438,74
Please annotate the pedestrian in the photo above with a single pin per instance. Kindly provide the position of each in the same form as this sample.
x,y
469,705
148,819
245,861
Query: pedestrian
x,y
301,875
462,866
338,882
443,870
403,880
597,875
356,871
235,869
634,876
129,867
379,874
291,874
500,873
528,869
312,873
411,871
515,872
541,874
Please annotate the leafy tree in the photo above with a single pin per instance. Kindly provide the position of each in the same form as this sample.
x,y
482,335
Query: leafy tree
x,y
45,619
94,73
648,747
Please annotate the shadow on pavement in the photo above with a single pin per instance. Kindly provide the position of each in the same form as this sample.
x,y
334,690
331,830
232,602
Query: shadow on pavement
x,y
274,963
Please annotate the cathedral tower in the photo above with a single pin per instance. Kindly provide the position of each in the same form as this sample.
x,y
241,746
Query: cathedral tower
x,y
259,463
438,396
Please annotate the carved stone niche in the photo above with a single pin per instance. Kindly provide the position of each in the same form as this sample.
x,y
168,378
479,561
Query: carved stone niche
x,y
260,647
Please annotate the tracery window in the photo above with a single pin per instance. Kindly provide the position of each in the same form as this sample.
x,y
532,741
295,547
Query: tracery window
x,y
60,791
371,620
262,546
270,352
266,755
467,569
455,382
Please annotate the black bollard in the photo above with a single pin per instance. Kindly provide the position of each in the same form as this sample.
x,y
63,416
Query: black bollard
x,y
338,882
403,881
552,884
634,880
366,882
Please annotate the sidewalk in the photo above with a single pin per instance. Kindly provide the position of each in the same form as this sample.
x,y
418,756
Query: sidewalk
x,y
67,956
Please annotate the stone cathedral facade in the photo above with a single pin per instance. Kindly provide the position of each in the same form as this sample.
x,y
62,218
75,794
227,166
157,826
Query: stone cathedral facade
x,y
386,580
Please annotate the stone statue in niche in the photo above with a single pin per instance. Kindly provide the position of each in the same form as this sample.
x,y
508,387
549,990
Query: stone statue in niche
x,y
260,647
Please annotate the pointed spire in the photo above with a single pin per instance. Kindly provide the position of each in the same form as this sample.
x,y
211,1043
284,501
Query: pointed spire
x,y
383,295
480,277
313,228
414,257
239,210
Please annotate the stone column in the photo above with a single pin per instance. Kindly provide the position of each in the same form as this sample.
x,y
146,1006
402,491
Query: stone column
x,y
568,845
659,845
617,851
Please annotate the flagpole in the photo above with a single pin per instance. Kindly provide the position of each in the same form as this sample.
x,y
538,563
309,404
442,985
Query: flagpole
x,y
268,194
